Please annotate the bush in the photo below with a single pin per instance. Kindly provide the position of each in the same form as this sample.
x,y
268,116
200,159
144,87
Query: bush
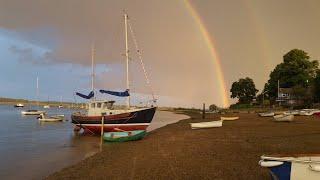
x,y
240,106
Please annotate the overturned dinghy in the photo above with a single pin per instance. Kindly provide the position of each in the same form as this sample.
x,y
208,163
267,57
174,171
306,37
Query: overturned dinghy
x,y
284,167
210,124
283,118
229,118
266,114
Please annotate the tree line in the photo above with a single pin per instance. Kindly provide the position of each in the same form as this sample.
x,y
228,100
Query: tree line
x,y
298,72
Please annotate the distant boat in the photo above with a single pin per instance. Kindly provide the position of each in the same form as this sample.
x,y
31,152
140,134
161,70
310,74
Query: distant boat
x,y
308,112
44,118
229,118
266,114
210,124
46,106
60,106
32,112
299,166
19,105
283,118
294,112
124,136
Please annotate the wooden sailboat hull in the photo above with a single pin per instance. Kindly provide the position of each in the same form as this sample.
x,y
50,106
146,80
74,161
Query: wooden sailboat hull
x,y
135,120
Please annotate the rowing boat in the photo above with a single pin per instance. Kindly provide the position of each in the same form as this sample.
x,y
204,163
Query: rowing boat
x,y
266,114
209,124
229,118
124,136
283,118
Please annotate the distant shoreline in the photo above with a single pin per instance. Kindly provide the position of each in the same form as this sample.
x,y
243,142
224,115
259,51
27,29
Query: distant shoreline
x,y
12,101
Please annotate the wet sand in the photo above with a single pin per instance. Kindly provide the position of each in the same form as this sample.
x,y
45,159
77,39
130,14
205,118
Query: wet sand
x,y
177,152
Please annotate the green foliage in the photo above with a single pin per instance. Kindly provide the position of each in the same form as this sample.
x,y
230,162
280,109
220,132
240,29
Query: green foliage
x,y
244,89
213,107
316,84
296,70
240,106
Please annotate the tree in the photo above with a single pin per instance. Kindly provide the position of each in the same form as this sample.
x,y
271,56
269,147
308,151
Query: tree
x,y
316,84
213,107
244,89
296,70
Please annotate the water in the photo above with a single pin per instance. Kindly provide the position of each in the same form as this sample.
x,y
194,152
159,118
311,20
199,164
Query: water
x,y
33,150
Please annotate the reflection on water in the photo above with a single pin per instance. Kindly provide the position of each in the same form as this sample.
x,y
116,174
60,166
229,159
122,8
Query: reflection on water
x,y
29,149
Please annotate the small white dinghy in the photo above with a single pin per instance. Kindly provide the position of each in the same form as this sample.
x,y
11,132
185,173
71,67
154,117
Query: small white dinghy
x,y
266,114
308,112
294,112
229,118
210,124
283,118
56,118
32,112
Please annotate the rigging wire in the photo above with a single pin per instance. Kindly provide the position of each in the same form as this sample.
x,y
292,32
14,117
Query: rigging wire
x,y
141,60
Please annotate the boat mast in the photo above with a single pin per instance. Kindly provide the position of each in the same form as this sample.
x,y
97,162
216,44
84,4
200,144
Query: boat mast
x,y
127,56
92,67
37,91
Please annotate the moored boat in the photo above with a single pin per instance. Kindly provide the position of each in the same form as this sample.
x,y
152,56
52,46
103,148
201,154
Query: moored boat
x,y
44,118
32,112
299,166
19,105
266,114
229,118
210,124
114,119
283,118
46,106
124,136
294,112
102,114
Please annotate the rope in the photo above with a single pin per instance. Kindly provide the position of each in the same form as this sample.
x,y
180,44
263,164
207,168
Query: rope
x,y
141,61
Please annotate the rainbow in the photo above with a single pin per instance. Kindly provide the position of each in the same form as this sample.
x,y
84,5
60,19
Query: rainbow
x,y
210,44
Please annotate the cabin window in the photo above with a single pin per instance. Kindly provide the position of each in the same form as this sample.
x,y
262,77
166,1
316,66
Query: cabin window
x,y
105,105
98,105
93,105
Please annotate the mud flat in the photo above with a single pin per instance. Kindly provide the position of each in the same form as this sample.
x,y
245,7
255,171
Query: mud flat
x,y
177,152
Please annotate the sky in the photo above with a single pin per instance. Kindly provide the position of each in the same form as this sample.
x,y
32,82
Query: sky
x,y
193,50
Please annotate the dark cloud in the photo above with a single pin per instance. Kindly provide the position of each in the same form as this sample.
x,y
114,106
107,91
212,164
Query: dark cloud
x,y
249,38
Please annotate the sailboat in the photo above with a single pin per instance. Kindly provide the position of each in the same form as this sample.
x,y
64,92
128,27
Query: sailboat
x,y
34,111
127,119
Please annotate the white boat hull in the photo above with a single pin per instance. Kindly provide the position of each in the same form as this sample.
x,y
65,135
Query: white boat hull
x,y
210,124
229,118
267,114
32,112
293,168
283,118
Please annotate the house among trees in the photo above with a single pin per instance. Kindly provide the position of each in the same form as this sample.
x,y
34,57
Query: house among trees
x,y
286,96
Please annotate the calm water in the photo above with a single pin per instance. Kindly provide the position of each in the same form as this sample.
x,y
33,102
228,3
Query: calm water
x,y
33,150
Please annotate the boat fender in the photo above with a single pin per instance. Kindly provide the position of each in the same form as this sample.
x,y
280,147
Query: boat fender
x,y
263,163
314,168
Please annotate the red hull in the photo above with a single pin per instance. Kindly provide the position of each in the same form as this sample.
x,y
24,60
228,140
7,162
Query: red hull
x,y
317,114
96,128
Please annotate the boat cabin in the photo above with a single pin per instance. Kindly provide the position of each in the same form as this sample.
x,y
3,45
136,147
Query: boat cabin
x,y
96,108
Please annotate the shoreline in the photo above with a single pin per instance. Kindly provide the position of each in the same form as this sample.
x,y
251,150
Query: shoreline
x,y
176,151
